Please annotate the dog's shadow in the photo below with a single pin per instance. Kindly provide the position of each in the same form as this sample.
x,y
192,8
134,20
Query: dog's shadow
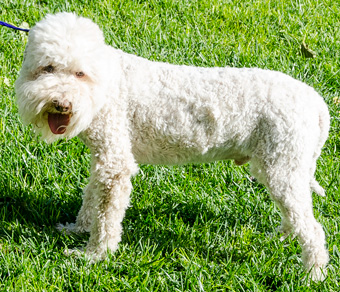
x,y
191,228
29,215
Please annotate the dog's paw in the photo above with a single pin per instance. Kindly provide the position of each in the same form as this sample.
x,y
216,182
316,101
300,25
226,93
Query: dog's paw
x,y
286,231
317,274
94,255
77,252
90,256
286,234
69,228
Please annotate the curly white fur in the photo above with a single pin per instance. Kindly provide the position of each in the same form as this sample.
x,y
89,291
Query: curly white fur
x,y
129,110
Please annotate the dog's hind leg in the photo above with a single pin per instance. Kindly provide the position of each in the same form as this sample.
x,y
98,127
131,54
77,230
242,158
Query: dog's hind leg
x,y
290,189
295,203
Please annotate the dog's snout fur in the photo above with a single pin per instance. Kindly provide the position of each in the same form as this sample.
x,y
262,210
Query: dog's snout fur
x,y
62,106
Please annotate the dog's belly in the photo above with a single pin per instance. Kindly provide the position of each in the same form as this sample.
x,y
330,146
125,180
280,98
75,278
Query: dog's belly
x,y
173,154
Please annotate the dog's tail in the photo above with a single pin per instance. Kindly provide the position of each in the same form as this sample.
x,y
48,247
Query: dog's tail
x,y
324,124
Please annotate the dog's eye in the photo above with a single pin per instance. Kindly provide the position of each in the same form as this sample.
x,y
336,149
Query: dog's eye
x,y
48,69
80,74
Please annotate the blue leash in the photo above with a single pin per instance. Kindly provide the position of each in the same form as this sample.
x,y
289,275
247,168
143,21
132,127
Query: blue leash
x,y
13,27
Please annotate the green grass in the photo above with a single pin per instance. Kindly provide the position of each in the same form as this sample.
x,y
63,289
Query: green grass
x,y
189,228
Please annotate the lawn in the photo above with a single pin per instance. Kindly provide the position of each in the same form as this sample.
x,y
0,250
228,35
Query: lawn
x,y
206,227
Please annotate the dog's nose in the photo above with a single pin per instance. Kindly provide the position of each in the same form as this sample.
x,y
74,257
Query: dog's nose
x,y
62,106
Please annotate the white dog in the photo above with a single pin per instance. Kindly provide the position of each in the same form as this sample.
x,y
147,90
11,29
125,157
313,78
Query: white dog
x,y
129,110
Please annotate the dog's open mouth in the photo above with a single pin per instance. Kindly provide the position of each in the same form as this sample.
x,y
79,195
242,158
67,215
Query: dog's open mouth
x,y
58,122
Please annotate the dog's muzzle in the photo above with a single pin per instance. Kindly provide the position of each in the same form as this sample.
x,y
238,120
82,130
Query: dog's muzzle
x,y
59,117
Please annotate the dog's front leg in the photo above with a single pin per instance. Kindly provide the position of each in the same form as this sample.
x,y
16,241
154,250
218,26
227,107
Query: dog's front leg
x,y
111,196
87,210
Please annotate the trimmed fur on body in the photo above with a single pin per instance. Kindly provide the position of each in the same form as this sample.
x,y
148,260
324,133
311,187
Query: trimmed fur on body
x,y
130,110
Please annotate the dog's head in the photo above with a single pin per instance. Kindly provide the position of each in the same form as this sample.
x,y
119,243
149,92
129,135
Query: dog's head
x,y
63,81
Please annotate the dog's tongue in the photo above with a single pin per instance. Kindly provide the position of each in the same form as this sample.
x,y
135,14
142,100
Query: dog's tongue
x,y
58,122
